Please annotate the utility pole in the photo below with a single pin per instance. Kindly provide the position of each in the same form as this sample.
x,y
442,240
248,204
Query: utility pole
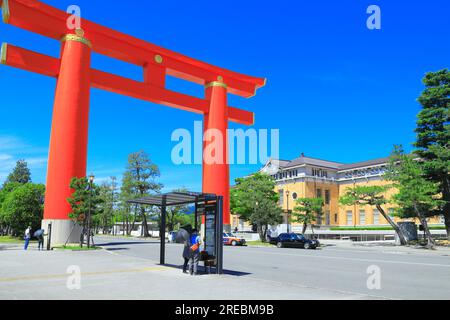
x,y
287,211
91,182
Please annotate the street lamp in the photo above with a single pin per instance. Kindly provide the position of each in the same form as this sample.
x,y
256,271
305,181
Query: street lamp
x,y
91,182
287,211
254,210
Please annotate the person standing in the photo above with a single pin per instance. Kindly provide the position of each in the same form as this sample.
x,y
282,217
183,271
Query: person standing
x,y
194,252
40,238
27,237
186,254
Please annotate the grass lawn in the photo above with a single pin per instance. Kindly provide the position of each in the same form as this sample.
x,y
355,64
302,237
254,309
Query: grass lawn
x,y
9,239
76,247
259,243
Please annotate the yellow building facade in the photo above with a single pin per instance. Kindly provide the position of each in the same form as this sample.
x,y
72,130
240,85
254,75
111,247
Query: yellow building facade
x,y
307,177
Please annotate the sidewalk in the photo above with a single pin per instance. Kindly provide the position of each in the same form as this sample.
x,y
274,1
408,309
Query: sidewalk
x,y
104,275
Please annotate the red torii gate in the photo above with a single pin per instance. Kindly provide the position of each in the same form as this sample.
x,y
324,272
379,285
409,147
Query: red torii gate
x,y
75,77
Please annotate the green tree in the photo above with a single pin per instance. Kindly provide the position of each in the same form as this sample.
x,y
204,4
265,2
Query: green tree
x,y
372,196
307,210
417,196
108,204
23,207
20,174
254,199
82,201
139,180
433,135
5,227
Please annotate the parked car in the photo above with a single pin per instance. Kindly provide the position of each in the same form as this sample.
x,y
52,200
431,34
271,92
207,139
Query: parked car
x,y
293,240
230,239
172,235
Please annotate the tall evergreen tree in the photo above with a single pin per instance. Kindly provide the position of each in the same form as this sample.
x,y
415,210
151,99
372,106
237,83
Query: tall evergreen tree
x,y
140,180
20,174
433,134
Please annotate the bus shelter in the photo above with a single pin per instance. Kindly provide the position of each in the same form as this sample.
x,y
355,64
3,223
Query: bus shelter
x,y
208,206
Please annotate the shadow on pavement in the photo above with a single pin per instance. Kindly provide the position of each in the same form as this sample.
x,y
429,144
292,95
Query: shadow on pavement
x,y
203,271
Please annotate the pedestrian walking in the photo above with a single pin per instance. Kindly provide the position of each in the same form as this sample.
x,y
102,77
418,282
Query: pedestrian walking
x,y
27,237
194,252
184,236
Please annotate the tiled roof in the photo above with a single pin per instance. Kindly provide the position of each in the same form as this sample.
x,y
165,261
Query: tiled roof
x,y
364,164
314,162
330,164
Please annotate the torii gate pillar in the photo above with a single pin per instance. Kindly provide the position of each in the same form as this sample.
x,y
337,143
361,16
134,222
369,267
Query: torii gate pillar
x,y
69,135
216,171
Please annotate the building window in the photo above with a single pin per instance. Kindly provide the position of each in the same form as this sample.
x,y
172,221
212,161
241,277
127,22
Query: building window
x,y
376,216
319,173
327,197
281,195
442,219
327,218
362,217
294,195
349,218
319,193
336,218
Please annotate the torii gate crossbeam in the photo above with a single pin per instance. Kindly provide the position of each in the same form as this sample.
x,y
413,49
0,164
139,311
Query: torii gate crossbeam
x,y
75,77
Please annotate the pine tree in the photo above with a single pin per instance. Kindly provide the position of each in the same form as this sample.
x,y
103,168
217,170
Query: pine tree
x,y
372,196
20,174
416,197
433,135
306,211
139,181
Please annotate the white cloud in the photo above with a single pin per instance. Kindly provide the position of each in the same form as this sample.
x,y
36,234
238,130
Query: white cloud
x,y
13,149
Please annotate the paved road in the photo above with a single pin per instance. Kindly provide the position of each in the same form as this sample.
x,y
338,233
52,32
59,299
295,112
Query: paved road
x,y
405,274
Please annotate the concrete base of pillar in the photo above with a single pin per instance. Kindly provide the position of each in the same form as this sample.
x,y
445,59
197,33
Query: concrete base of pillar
x,y
62,231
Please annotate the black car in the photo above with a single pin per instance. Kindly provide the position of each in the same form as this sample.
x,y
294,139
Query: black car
x,y
293,240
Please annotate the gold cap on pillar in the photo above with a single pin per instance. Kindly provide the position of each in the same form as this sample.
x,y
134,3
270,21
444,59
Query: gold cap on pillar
x,y
3,53
78,36
218,83
5,11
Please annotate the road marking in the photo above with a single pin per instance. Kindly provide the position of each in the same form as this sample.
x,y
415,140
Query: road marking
x,y
361,260
58,276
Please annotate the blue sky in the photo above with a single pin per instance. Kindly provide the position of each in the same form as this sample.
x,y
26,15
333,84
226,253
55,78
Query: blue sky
x,y
335,89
